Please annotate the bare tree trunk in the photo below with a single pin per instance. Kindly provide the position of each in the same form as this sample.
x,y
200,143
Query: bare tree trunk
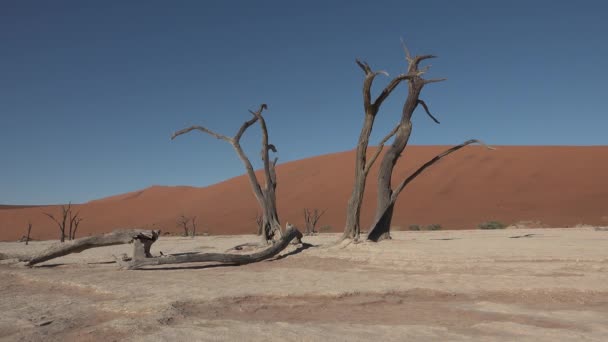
x,y
352,230
259,220
193,226
139,261
76,224
116,237
29,230
385,173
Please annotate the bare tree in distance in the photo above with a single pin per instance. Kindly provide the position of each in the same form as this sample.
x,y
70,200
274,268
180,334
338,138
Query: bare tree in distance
x,y
266,196
387,196
311,218
65,213
193,226
74,222
29,231
182,222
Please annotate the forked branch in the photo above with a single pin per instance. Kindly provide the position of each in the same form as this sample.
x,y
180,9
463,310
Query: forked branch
x,y
372,160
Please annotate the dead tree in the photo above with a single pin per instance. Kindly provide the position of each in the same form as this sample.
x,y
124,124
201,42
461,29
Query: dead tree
x,y
311,218
139,260
76,223
193,226
66,211
371,107
266,196
116,237
183,221
381,228
386,195
142,240
29,230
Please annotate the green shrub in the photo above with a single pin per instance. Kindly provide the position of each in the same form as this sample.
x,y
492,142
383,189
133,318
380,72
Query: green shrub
x,y
415,227
492,225
433,226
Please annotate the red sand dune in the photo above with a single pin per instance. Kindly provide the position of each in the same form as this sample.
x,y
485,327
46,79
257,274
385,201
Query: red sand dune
x,y
558,186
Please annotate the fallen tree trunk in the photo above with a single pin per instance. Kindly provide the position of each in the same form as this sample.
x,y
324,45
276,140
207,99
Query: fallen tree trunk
x,y
139,260
116,237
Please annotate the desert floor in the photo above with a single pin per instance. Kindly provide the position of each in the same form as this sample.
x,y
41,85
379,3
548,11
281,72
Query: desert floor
x,y
546,285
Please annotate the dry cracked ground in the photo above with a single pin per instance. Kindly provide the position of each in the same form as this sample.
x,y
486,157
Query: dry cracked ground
x,y
520,284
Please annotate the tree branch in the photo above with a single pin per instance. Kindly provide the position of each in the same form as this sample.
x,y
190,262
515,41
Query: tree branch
x,y
389,89
406,181
202,129
434,80
364,66
416,61
426,109
372,160
408,56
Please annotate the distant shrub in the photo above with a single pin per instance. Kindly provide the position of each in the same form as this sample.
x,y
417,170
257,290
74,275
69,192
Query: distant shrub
x,y
326,229
415,227
433,226
492,225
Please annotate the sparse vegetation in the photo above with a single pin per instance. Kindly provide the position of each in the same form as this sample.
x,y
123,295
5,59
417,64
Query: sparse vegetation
x,y
311,217
326,229
492,225
417,227
183,221
433,226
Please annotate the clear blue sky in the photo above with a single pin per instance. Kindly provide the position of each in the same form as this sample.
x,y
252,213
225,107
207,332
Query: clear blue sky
x,y
90,91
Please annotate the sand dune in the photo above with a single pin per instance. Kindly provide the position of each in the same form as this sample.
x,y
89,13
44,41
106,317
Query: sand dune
x,y
558,186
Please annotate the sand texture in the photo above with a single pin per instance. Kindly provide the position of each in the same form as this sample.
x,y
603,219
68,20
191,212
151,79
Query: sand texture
x,y
545,285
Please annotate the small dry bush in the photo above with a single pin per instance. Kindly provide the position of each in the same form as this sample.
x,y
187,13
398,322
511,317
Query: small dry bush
x,y
492,225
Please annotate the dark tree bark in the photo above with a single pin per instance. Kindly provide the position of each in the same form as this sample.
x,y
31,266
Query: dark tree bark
x,y
311,218
381,228
73,226
193,226
266,196
404,129
139,260
29,230
385,202
76,224
352,228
